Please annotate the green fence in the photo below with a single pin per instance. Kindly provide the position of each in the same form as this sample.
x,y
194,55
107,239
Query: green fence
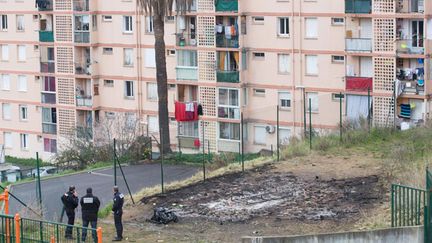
x,y
358,6
428,209
407,205
7,229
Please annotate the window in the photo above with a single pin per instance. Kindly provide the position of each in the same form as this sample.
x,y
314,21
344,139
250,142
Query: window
x,y
129,89
128,57
127,24
258,19
149,24
153,124
3,22
284,100
7,138
229,131
131,120
187,58
314,101
283,26
284,136
171,52
260,135
338,21
50,145
6,111
259,55
21,53
5,81
311,26
150,58
188,129
284,63
259,92
24,141
107,18
311,65
20,22
49,115
152,93
23,112
107,51
49,84
109,83
229,103
338,59
5,52
22,83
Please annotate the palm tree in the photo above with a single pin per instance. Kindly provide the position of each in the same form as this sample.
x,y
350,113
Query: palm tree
x,y
159,9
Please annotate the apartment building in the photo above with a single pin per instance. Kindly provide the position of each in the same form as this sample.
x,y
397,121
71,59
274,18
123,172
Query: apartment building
x,y
69,65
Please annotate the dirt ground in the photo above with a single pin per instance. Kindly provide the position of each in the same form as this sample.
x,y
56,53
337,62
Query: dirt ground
x,y
312,194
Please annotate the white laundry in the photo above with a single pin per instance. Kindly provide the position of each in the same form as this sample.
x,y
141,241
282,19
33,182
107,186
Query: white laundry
x,y
190,107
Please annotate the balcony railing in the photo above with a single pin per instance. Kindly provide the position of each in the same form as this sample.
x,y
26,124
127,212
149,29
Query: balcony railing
x,y
358,45
44,5
226,5
186,40
224,42
412,87
410,6
84,101
49,128
46,36
47,67
82,37
413,46
81,5
82,69
85,132
228,76
187,73
48,98
360,84
358,6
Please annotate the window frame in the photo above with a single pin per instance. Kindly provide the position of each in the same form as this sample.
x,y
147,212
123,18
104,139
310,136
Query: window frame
x,y
4,25
286,100
129,90
228,108
24,141
127,24
231,131
285,21
20,18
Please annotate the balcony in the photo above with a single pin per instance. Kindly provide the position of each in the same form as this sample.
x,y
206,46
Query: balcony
x,y
82,37
46,36
49,128
82,69
358,6
84,101
84,132
358,45
187,73
413,46
81,5
186,39
228,76
45,5
359,84
47,67
226,5
410,6
48,98
224,42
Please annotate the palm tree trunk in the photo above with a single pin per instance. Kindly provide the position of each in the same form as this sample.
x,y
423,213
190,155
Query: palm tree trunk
x,y
162,81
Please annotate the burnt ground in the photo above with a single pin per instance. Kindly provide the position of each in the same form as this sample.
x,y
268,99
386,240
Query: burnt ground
x,y
313,194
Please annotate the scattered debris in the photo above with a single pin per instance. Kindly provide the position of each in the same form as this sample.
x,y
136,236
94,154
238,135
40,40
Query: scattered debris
x,y
163,215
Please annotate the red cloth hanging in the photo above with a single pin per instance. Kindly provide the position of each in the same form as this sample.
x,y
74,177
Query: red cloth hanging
x,y
197,143
180,111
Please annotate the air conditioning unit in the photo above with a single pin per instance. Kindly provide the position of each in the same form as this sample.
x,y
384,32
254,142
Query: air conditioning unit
x,y
270,129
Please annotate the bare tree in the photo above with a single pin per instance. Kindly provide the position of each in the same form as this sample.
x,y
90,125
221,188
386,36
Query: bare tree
x,y
159,9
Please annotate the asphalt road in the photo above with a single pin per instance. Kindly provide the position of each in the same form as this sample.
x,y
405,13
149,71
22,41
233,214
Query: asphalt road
x,y
138,177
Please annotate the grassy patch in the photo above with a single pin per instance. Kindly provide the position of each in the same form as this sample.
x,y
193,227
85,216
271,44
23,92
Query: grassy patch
x,y
24,162
105,211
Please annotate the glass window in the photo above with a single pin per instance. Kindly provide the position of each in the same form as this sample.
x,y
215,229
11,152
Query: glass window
x,y
229,103
283,26
128,57
129,89
230,131
188,129
127,24
284,99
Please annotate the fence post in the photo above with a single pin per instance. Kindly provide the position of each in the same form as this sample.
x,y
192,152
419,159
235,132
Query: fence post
x,y
162,161
340,116
310,123
242,141
17,228
99,234
115,166
52,239
6,201
39,183
277,133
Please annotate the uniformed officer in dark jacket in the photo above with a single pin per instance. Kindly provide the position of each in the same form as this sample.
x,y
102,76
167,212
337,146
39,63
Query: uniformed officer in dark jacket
x,y
117,209
70,202
90,208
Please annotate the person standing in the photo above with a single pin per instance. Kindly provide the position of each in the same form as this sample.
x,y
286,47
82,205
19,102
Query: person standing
x,y
117,209
90,208
70,203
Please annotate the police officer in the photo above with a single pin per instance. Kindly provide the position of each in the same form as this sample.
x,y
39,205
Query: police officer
x,y
90,208
117,209
70,203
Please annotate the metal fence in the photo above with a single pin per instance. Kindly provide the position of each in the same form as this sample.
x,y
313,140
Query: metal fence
x,y
407,206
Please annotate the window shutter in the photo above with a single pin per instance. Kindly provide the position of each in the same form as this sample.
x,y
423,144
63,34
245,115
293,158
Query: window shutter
x,y
150,58
311,25
312,65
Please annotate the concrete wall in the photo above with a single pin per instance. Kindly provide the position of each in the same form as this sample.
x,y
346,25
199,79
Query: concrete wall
x,y
391,235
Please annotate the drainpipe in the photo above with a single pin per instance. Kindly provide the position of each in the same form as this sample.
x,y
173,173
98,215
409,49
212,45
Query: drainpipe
x,y
293,67
138,58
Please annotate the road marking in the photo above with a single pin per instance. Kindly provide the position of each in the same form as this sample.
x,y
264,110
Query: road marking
x,y
101,174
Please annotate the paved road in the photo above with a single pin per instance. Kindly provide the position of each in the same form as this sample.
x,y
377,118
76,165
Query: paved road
x,y
138,176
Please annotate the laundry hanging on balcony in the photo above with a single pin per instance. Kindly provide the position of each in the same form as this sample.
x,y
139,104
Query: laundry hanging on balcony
x,y
187,111
42,3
